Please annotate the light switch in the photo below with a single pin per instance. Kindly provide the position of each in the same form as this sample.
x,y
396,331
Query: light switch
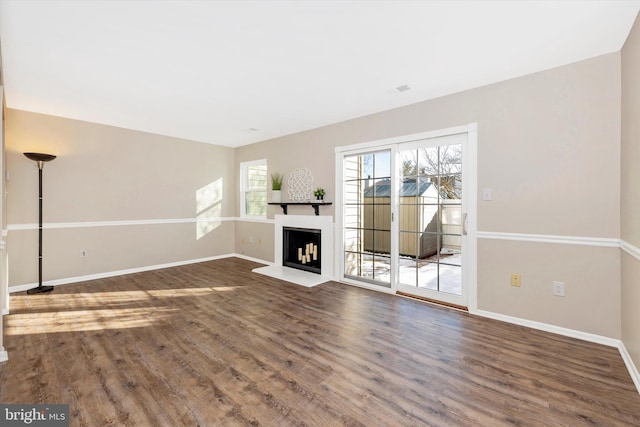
x,y
487,194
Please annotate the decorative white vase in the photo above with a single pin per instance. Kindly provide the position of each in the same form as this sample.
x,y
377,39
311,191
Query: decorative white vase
x,y
276,196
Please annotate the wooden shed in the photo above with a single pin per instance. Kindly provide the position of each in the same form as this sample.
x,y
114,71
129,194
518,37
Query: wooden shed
x,y
418,217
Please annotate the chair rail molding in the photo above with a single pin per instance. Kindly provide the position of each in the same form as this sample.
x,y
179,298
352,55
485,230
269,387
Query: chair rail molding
x,y
548,238
116,223
632,250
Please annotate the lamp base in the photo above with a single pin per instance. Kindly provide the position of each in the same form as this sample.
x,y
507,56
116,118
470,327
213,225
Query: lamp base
x,y
40,290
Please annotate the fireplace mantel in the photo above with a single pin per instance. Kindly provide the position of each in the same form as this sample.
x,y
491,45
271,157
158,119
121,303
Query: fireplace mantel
x,y
315,205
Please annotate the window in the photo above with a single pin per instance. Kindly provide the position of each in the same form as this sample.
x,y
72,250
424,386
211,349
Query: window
x,y
253,189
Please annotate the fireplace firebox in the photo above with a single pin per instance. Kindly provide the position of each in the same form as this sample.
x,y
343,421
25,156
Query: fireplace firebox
x,y
301,248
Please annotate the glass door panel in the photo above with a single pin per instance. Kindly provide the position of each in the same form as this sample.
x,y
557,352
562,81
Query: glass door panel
x,y
431,220
367,217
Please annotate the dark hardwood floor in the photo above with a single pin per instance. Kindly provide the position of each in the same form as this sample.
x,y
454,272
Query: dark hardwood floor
x,y
213,344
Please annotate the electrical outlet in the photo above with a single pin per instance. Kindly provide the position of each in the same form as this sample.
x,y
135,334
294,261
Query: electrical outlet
x,y
558,289
516,280
83,253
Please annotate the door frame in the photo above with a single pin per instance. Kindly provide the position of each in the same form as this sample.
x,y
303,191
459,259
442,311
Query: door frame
x,y
470,186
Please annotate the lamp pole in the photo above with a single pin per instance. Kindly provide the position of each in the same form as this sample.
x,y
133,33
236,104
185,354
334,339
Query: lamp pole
x,y
40,159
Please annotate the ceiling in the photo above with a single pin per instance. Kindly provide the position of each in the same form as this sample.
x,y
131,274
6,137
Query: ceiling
x,y
236,72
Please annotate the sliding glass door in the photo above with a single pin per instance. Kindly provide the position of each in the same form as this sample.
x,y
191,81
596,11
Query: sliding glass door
x,y
405,216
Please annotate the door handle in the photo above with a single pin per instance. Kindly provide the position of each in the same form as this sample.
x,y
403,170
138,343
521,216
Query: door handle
x,y
464,224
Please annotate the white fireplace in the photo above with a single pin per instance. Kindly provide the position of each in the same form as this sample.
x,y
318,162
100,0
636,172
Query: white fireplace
x,y
323,223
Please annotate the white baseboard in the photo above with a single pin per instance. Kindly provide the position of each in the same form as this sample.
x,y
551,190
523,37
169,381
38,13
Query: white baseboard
x,y
4,356
248,258
631,367
69,280
5,311
585,336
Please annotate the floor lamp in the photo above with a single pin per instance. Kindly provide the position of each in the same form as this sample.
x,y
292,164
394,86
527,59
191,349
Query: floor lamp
x,y
40,158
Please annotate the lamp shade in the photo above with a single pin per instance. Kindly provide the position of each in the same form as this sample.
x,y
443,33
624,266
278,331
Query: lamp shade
x,y
40,157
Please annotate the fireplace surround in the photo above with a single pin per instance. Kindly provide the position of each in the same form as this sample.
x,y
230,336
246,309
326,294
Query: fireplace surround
x,y
321,223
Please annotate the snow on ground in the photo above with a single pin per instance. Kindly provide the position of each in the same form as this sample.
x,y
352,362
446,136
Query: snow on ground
x,y
422,273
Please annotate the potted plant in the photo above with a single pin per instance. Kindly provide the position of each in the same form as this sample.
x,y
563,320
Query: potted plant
x,y
319,193
276,187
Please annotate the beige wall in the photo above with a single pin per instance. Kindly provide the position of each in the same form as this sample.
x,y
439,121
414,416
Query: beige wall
x,y
549,147
108,174
630,192
591,276
255,239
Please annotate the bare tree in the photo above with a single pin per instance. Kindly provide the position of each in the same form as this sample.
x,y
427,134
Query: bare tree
x,y
441,164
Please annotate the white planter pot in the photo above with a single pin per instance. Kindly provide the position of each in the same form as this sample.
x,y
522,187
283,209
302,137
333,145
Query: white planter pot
x,y
276,196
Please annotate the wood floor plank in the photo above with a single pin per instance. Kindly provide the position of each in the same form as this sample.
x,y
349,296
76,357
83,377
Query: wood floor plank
x,y
213,344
